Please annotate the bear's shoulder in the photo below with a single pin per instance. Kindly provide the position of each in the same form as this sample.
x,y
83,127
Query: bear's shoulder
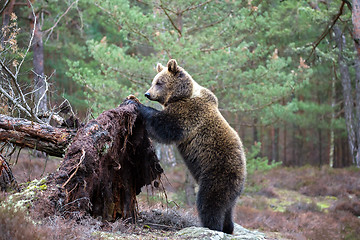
x,y
203,94
209,97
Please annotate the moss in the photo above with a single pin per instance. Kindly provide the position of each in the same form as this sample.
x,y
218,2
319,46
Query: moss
x,y
288,200
332,198
278,206
323,206
23,199
43,187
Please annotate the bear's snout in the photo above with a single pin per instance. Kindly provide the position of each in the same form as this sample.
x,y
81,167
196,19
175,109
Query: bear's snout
x,y
147,94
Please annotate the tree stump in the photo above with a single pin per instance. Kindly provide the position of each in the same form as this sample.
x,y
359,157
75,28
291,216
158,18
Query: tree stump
x,y
110,159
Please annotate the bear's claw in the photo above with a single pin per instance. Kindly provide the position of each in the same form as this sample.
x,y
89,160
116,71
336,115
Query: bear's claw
x,y
133,98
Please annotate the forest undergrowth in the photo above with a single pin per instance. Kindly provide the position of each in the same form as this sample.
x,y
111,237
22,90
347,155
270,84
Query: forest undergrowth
x,y
303,203
284,203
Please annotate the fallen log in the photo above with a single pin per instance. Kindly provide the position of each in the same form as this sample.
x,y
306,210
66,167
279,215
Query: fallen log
x,y
42,137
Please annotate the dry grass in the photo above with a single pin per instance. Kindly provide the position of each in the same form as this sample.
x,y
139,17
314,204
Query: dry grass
x,y
30,167
293,203
14,225
303,203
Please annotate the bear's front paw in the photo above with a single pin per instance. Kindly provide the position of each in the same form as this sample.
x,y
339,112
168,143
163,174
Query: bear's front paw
x,y
131,99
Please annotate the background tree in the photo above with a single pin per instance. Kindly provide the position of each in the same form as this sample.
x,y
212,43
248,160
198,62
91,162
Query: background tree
x,y
272,65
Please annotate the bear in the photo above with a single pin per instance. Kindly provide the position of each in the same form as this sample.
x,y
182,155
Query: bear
x,y
209,146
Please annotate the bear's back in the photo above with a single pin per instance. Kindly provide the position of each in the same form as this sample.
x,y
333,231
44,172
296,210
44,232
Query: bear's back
x,y
210,142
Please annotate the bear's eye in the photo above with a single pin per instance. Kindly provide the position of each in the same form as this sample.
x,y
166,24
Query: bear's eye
x,y
158,83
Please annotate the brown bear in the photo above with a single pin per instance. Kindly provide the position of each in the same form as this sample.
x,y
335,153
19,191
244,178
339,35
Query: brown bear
x,y
211,149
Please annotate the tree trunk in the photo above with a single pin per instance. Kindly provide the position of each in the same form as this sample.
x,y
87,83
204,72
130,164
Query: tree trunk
x,y
255,132
285,140
357,110
356,33
332,134
356,24
348,99
190,189
342,156
274,144
293,160
41,137
320,146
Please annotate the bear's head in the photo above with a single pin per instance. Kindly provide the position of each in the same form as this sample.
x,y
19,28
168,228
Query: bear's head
x,y
171,84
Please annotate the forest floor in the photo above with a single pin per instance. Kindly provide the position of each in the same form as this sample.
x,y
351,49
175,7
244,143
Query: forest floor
x,y
283,203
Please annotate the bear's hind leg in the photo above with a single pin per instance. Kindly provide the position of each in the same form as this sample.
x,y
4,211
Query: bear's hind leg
x,y
211,213
228,222
211,219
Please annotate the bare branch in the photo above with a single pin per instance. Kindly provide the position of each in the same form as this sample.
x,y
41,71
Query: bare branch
x,y
50,30
130,76
327,30
170,19
16,103
20,101
7,70
348,4
25,109
126,22
222,48
207,25
43,95
195,6
4,7
30,42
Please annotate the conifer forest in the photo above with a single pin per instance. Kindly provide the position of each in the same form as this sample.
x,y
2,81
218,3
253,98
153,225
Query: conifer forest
x,y
76,161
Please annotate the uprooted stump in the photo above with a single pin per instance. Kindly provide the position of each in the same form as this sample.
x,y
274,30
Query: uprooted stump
x,y
106,165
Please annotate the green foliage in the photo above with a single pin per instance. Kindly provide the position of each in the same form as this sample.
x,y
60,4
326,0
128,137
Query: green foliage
x,y
256,163
225,55
258,57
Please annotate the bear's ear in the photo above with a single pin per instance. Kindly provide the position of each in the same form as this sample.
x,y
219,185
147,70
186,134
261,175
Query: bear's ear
x,y
159,67
172,66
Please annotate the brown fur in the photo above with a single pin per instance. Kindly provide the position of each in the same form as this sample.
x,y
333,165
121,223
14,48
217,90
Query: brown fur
x,y
211,149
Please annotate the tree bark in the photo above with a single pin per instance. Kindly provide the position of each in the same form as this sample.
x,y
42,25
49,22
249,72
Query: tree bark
x,y
274,144
347,93
41,137
332,133
356,34
356,24
190,189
